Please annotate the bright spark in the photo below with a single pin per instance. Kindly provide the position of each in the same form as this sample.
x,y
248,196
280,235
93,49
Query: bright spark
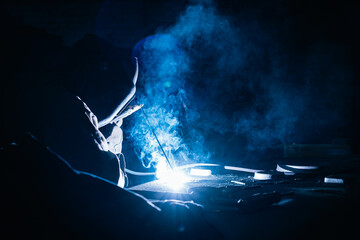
x,y
200,172
175,179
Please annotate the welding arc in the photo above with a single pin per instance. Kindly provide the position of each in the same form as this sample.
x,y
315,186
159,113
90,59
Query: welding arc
x,y
157,140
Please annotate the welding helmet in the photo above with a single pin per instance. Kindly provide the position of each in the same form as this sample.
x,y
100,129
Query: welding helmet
x,y
99,73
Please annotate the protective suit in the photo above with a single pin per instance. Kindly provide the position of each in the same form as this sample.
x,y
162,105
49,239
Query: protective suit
x,y
60,168
65,108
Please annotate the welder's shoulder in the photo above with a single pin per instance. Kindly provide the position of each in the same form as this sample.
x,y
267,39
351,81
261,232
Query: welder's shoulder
x,y
57,118
71,132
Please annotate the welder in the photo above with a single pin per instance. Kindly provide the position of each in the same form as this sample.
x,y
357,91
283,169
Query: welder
x,y
59,147
64,108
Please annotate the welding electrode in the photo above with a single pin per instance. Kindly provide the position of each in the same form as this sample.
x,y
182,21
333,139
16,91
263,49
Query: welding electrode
x,y
153,132
128,111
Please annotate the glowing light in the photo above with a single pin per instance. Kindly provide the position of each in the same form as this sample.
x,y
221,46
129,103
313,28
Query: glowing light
x,y
303,167
238,182
200,172
283,170
241,169
174,179
262,176
333,180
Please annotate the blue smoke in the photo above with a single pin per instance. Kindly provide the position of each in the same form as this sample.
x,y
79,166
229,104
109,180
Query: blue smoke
x,y
169,79
164,67
213,91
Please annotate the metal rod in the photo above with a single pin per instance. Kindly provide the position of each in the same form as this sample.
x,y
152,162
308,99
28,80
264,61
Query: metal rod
x,y
153,131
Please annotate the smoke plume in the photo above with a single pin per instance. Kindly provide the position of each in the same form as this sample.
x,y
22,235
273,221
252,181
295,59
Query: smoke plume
x,y
219,88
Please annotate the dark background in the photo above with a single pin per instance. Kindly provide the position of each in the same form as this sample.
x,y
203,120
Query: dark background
x,y
297,79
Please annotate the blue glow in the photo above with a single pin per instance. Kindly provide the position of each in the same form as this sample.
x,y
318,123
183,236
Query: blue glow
x,y
172,178
214,91
164,67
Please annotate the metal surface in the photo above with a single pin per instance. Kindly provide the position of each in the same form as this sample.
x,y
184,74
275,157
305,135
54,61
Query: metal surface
x,y
209,181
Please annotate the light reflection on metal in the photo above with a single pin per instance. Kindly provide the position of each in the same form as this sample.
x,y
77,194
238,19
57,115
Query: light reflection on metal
x,y
200,172
262,176
333,180
238,182
283,170
303,167
198,165
241,169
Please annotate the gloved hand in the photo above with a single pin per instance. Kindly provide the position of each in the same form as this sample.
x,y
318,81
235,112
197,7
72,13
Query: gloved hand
x,y
177,207
115,138
184,220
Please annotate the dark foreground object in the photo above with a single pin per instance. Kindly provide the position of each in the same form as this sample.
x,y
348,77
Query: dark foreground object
x,y
44,198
